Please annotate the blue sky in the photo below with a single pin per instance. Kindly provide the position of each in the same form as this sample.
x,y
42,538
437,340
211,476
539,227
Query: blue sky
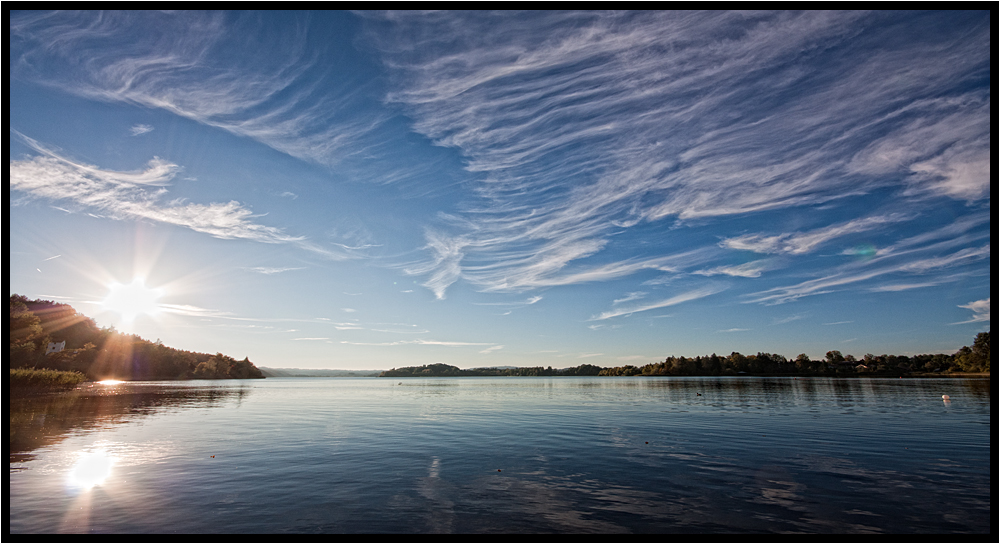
x,y
376,190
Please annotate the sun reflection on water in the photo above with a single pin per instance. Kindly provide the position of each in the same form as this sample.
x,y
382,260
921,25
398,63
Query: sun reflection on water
x,y
91,469
110,382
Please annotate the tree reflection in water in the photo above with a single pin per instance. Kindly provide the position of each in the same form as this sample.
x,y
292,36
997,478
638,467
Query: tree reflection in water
x,y
44,420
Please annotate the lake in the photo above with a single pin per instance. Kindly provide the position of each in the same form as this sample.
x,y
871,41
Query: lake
x,y
505,455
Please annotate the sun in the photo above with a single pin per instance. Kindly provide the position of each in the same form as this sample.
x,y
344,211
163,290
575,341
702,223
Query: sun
x,y
132,300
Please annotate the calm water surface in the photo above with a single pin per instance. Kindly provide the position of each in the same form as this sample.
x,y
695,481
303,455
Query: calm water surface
x,y
469,455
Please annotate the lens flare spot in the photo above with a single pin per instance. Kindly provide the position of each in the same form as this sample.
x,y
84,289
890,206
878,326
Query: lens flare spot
x,y
863,252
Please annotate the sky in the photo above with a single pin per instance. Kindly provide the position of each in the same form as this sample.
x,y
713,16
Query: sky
x,y
378,190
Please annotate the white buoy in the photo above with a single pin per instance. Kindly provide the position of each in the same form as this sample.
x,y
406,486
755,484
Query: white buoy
x,y
945,397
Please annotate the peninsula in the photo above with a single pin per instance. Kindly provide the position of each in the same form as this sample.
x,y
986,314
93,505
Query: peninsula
x,y
54,336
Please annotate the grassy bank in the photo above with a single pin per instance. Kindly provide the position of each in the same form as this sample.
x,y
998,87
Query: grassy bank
x,y
949,375
38,380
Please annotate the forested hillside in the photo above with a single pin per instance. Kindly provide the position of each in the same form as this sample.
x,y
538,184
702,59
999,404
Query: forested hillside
x,y
104,353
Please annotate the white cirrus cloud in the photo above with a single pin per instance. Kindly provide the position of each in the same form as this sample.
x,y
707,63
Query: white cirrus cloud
x,y
943,153
529,301
523,269
980,310
957,258
268,270
138,195
851,275
140,129
582,125
800,243
420,343
449,344
183,63
193,311
672,301
746,270
893,287
629,297
399,331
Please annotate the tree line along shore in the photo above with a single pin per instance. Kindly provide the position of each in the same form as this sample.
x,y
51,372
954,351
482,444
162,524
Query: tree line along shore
x,y
974,359
53,346
87,352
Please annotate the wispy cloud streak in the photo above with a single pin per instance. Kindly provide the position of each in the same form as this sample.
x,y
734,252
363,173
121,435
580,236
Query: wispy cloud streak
x,y
848,276
424,343
267,270
138,195
138,130
672,301
583,124
800,243
980,310
636,295
231,70
529,301
747,270
193,311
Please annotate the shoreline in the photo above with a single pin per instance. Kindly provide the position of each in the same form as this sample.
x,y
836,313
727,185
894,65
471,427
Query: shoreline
x,y
40,391
921,375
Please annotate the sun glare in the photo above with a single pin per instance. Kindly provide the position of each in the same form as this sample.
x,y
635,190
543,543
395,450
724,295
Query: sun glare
x,y
132,300
91,469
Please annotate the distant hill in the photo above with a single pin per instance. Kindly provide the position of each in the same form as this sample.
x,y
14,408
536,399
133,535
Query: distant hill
x,y
441,370
317,373
974,359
